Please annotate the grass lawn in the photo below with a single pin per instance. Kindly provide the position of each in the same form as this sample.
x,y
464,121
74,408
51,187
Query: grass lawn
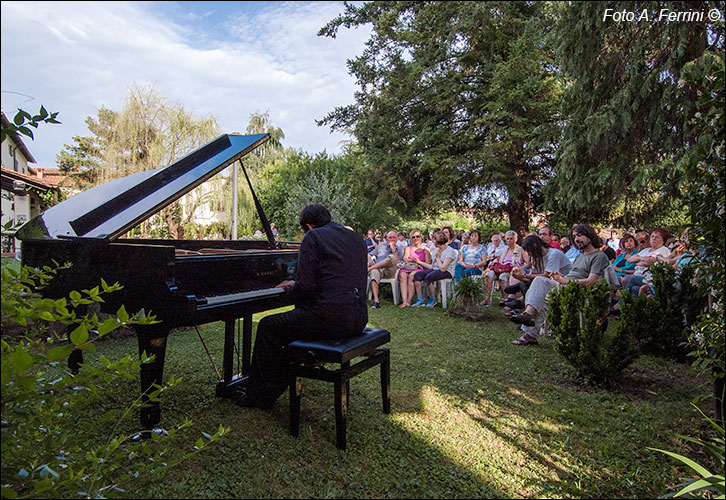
x,y
472,416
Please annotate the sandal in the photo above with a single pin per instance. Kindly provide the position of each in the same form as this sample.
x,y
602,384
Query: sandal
x,y
525,340
523,319
513,312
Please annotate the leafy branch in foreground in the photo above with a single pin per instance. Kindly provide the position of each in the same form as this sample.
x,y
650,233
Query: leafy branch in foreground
x,y
43,455
23,120
708,485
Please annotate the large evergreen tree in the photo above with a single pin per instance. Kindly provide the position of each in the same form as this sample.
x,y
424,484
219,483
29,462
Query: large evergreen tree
x,y
629,112
458,102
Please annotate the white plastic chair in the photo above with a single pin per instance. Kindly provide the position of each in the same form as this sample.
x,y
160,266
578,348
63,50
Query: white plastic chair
x,y
390,281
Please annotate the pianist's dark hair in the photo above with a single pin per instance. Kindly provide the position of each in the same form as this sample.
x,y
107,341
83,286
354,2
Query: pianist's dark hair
x,y
315,215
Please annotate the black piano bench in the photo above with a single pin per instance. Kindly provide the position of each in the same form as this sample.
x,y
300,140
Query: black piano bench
x,y
307,358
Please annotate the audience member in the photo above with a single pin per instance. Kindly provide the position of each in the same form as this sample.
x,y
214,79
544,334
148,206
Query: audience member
x,y
415,254
451,235
642,238
472,257
624,269
647,257
495,247
507,260
402,242
565,244
587,269
442,267
371,241
545,232
681,256
614,240
384,266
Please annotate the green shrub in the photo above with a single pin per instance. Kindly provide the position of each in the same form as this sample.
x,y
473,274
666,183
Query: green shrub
x,y
577,318
468,292
661,324
42,453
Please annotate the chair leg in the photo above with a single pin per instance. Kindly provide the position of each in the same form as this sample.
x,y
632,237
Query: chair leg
x,y
295,396
386,382
341,410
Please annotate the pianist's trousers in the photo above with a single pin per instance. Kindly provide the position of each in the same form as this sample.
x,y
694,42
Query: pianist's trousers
x,y
269,373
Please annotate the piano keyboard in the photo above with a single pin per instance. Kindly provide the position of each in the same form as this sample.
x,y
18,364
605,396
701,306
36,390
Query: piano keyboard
x,y
254,294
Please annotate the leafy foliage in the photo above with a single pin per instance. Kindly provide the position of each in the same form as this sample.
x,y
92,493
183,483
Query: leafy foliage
x,y
577,318
661,324
708,485
468,292
630,113
22,120
41,455
458,101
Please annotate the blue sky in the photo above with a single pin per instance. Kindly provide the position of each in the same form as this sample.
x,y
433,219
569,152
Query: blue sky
x,y
227,59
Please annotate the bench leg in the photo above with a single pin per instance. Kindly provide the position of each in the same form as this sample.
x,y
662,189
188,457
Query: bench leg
x,y
386,382
341,410
295,395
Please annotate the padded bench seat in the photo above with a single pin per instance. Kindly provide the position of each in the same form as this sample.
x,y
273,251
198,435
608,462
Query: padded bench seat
x,y
307,356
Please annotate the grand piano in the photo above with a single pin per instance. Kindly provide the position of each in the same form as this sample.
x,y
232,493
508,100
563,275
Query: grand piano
x,y
181,282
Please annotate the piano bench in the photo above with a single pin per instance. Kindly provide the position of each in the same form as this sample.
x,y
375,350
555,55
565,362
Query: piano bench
x,y
307,358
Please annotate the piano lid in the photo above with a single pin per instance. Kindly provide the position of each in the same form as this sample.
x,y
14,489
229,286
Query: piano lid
x,y
109,210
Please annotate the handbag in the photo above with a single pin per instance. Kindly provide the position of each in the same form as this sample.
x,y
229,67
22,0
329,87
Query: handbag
x,y
410,266
500,268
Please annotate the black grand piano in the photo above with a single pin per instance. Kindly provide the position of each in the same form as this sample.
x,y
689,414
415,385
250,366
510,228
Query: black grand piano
x,y
182,282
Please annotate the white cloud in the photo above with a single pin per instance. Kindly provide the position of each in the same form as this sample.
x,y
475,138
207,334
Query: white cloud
x,y
77,57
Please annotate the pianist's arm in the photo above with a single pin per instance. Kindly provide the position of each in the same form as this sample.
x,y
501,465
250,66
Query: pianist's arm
x,y
307,268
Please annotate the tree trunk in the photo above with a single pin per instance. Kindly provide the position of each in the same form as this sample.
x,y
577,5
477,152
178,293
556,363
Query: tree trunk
x,y
519,207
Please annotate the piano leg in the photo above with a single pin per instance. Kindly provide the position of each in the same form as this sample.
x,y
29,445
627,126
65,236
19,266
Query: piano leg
x,y
226,386
152,339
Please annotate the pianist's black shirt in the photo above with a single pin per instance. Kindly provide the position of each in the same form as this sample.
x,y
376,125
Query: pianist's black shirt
x,y
331,268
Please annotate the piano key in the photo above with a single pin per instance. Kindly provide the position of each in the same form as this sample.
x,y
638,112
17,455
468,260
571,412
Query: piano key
x,y
232,297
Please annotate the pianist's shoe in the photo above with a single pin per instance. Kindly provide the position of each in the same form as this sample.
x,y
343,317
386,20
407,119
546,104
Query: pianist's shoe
x,y
243,399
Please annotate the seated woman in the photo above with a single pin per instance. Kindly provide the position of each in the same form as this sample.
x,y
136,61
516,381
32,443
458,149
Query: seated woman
x,y
511,257
679,258
472,257
496,246
624,269
415,252
442,267
648,257
451,235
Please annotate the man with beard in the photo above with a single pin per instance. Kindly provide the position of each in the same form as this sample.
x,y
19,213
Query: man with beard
x,y
589,266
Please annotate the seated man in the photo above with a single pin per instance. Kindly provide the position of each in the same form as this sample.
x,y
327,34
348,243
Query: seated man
x,y
384,266
329,292
587,269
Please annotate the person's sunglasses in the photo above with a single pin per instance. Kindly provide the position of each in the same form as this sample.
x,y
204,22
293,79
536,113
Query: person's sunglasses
x,y
416,236
641,241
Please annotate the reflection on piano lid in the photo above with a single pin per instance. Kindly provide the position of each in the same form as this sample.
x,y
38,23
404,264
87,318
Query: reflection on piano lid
x,y
109,210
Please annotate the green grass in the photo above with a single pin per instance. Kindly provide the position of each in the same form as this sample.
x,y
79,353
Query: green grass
x,y
472,416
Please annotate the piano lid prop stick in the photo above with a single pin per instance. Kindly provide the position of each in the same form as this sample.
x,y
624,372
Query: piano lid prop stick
x,y
260,212
219,377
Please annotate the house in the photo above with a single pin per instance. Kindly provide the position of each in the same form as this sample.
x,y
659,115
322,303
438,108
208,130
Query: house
x,y
26,191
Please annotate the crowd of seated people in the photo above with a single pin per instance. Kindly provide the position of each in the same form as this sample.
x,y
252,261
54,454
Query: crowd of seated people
x,y
523,274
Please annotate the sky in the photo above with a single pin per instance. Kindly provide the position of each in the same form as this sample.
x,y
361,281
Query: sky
x,y
226,59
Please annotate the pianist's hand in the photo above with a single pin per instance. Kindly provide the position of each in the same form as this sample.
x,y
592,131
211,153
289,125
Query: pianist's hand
x,y
287,285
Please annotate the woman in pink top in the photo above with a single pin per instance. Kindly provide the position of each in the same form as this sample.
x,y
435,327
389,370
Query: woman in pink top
x,y
416,250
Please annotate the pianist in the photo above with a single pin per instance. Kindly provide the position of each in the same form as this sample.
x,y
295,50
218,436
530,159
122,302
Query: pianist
x,y
329,293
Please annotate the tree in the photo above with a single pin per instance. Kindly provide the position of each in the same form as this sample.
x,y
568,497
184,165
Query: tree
x,y
149,132
82,160
629,113
22,120
458,100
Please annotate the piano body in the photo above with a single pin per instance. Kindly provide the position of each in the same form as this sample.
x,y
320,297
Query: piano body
x,y
181,282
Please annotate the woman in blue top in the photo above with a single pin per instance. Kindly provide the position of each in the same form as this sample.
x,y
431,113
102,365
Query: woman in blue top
x,y
623,268
472,257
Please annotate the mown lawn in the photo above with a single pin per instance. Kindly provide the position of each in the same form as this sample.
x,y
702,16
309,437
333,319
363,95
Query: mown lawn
x,y
472,416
